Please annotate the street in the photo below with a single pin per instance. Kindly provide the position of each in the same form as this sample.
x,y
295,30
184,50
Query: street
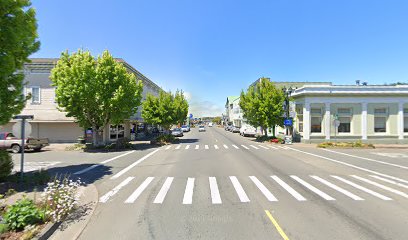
x,y
219,185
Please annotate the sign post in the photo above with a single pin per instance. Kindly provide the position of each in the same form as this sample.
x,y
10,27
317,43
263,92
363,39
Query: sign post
x,y
23,121
288,122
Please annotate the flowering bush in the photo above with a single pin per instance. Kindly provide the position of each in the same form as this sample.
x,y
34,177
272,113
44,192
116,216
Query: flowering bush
x,y
61,198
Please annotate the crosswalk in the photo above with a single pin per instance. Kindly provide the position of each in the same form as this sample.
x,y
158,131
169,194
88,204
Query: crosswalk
x,y
223,147
300,188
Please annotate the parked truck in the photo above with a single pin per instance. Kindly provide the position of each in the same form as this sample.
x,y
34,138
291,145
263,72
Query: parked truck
x,y
9,141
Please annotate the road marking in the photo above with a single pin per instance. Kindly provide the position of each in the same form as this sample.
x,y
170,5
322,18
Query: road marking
x,y
178,147
368,159
112,192
216,146
275,223
335,187
133,164
168,147
215,193
263,147
238,188
263,189
103,162
206,147
245,147
350,165
313,189
369,191
253,146
188,193
273,147
235,146
132,198
381,186
188,146
163,191
225,146
197,147
389,181
288,188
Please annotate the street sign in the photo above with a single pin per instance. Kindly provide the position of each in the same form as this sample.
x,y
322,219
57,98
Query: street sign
x,y
17,129
191,115
288,122
31,117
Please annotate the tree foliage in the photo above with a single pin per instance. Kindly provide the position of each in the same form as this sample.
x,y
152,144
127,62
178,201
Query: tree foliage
x,y
262,105
166,109
217,120
95,91
18,40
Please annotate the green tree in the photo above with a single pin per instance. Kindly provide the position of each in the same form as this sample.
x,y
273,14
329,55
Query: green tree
x,y
18,40
262,105
96,92
217,120
159,110
180,107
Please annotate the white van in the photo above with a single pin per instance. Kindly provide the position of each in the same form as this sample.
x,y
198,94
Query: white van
x,y
210,124
247,130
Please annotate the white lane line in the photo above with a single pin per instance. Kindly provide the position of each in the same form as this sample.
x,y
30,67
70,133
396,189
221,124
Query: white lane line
x,y
245,147
132,198
238,188
381,186
279,147
235,146
197,146
187,147
215,193
263,189
350,165
178,147
263,147
367,159
188,193
133,165
112,192
253,146
168,147
87,169
369,191
288,188
216,147
163,191
389,181
272,147
313,189
337,188
225,146
103,162
206,147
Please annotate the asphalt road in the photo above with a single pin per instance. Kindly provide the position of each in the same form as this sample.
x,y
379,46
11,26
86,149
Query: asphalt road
x,y
230,187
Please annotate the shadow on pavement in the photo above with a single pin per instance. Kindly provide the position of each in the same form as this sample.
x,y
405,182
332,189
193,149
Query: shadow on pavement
x,y
188,140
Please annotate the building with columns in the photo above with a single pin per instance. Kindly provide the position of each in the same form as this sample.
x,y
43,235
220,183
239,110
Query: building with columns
x,y
370,113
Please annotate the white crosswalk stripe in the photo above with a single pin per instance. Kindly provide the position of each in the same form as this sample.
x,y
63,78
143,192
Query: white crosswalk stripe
x,y
108,195
163,191
178,147
216,146
197,146
263,189
187,147
168,147
245,147
272,147
369,191
263,147
235,146
389,181
238,188
132,198
253,146
335,187
381,186
215,193
206,147
313,189
288,188
225,146
188,193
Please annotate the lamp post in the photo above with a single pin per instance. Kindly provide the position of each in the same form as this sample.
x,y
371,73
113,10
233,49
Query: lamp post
x,y
287,92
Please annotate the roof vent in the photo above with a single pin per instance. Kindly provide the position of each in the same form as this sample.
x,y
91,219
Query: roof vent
x,y
358,82
365,83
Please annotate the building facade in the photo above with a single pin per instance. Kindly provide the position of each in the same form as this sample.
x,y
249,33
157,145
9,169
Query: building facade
x,y
53,124
233,111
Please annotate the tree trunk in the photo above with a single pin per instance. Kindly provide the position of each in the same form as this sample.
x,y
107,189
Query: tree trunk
x,y
273,129
94,136
265,131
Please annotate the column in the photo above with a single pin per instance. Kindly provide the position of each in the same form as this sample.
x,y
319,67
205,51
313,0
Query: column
x,y
364,121
400,120
327,122
306,121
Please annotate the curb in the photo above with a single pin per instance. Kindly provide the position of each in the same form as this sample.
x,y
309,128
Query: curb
x,y
47,231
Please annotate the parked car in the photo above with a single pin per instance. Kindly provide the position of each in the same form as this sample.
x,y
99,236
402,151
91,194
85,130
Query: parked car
x,y
9,141
201,128
230,128
177,132
247,130
235,129
185,128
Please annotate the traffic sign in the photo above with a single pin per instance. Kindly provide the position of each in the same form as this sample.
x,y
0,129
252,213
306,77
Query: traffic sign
x,y
288,122
17,128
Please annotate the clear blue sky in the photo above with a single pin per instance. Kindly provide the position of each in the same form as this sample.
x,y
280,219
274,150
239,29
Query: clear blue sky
x,y
212,49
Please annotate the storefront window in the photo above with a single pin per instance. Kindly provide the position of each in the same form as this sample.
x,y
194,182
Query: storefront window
x,y
316,124
117,132
344,126
405,119
380,123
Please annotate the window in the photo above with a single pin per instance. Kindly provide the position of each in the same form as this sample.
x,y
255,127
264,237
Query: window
x,y
2,136
116,131
344,126
344,111
405,119
380,111
380,123
300,120
299,115
316,124
316,111
35,95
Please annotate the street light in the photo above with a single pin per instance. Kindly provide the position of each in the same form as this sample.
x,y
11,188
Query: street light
x,y
288,123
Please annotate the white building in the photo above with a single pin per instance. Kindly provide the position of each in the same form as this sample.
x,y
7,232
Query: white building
x,y
233,111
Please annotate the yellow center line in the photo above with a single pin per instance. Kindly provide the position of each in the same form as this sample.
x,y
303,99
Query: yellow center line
x,y
275,223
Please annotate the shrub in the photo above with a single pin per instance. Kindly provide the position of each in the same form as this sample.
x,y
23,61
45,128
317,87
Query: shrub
x,y
23,213
61,198
166,138
6,165
3,228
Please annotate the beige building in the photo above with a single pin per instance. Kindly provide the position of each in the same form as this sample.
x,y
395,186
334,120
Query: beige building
x,y
53,124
